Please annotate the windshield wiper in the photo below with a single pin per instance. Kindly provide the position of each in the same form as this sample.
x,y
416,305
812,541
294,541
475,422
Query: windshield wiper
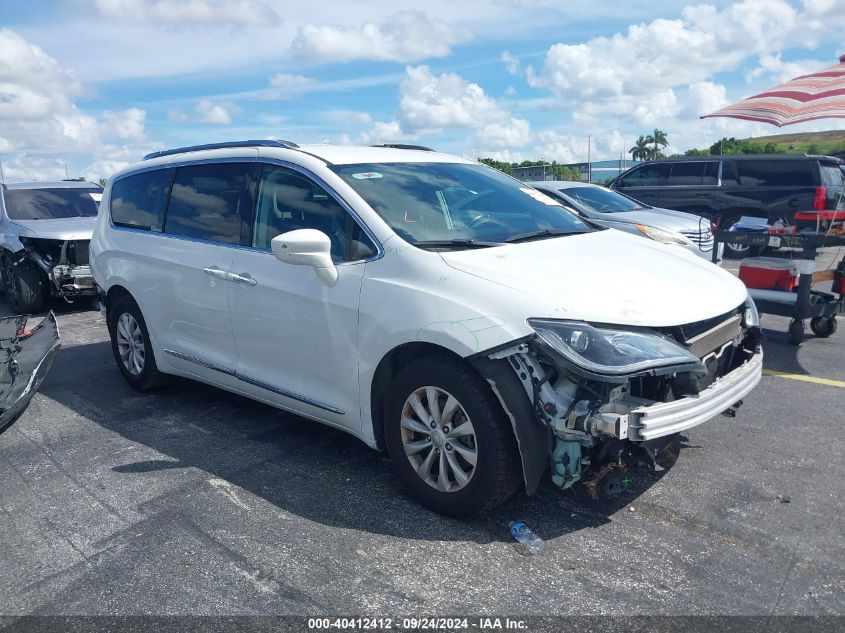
x,y
463,243
539,235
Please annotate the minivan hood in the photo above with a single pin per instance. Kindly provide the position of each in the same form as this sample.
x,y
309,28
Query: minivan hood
x,y
606,277
60,229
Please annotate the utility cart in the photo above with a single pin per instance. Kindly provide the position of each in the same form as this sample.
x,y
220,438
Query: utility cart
x,y
797,300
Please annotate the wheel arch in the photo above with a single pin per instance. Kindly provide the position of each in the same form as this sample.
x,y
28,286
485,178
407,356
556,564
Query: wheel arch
x,y
390,365
529,437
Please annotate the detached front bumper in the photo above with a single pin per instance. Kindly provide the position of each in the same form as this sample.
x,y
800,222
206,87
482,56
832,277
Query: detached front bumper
x,y
653,420
26,356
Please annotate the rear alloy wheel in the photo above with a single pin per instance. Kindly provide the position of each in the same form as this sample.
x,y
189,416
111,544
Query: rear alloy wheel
x,y
131,347
449,439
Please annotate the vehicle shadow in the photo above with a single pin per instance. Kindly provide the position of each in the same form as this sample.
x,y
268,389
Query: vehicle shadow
x,y
301,467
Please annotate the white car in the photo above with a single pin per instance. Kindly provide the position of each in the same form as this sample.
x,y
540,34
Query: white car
x,y
426,304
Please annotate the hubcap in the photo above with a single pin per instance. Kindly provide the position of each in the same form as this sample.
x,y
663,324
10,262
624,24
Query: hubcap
x,y
130,344
439,439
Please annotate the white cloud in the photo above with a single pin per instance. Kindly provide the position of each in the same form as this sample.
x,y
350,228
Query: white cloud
x,y
246,12
508,134
655,57
511,62
288,81
775,70
41,126
405,36
704,97
385,132
214,113
431,101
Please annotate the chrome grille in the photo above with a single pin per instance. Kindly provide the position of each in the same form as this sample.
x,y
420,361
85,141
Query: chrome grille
x,y
716,337
703,238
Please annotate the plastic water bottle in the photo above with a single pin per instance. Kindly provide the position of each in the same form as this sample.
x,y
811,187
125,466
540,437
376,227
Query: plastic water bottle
x,y
530,542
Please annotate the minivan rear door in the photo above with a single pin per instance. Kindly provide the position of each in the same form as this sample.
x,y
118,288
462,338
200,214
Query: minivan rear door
x,y
691,187
188,278
644,182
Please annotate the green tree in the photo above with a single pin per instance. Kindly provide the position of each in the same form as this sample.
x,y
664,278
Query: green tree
x,y
642,149
657,140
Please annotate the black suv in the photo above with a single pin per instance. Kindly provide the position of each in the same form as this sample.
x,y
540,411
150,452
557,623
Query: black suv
x,y
725,188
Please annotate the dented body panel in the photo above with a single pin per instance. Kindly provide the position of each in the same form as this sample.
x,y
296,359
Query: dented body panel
x,y
26,355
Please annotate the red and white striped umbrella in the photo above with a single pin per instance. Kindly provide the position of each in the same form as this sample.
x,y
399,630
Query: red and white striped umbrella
x,y
819,95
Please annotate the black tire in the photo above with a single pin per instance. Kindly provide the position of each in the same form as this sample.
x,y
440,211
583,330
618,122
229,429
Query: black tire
x,y
824,327
149,377
795,334
737,251
25,286
497,471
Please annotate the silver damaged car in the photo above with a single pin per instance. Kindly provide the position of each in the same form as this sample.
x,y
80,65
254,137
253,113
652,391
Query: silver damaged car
x,y
46,228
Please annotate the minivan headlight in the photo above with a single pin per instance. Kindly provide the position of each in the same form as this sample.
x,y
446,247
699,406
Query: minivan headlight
x,y
609,351
662,235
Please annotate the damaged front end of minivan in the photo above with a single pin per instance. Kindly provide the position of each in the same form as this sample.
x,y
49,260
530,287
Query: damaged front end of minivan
x,y
583,397
64,263
27,352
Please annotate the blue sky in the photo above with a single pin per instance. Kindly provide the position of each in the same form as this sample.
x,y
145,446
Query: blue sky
x,y
95,84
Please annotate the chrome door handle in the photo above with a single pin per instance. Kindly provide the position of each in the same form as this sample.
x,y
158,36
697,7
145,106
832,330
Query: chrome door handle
x,y
243,278
216,272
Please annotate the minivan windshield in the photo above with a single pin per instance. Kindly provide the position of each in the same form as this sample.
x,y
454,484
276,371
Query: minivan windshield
x,y
601,200
52,204
456,205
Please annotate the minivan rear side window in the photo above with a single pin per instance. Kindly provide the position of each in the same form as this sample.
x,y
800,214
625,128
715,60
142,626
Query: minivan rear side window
x,y
653,175
137,201
775,173
207,202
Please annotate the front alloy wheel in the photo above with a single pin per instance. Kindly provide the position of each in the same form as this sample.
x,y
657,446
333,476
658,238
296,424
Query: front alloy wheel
x,y
448,437
130,344
439,439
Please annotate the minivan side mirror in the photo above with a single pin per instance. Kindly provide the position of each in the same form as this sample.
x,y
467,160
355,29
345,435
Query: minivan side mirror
x,y
307,247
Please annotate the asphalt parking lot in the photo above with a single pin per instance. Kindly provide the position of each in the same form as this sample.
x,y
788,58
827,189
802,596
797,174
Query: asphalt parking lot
x,y
191,500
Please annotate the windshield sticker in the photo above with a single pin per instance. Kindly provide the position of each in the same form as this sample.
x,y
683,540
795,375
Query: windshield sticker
x,y
539,196
96,196
366,175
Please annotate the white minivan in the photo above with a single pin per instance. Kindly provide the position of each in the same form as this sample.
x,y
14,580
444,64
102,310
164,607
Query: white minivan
x,y
429,305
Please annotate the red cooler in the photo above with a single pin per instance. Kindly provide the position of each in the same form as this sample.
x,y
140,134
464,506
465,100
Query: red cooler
x,y
769,273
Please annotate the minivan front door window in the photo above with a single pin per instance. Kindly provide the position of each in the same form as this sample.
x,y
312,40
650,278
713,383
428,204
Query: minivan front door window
x,y
288,201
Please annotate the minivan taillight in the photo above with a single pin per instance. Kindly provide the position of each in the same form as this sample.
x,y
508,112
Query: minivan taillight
x,y
820,199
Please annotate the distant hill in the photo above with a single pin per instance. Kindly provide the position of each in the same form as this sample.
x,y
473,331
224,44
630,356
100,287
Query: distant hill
x,y
820,142
830,142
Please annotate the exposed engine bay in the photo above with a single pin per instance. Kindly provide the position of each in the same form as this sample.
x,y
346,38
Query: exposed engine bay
x,y
586,415
64,262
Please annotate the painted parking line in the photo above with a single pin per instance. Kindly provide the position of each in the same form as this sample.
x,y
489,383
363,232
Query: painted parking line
x,y
805,378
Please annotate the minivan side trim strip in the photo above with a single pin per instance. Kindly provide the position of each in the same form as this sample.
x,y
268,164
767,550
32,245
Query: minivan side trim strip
x,y
256,383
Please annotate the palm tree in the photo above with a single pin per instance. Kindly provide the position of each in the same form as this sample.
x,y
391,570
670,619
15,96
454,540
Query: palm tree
x,y
642,149
657,139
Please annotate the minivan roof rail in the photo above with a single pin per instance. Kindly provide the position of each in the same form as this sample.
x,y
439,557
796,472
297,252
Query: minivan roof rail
x,y
422,148
224,145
